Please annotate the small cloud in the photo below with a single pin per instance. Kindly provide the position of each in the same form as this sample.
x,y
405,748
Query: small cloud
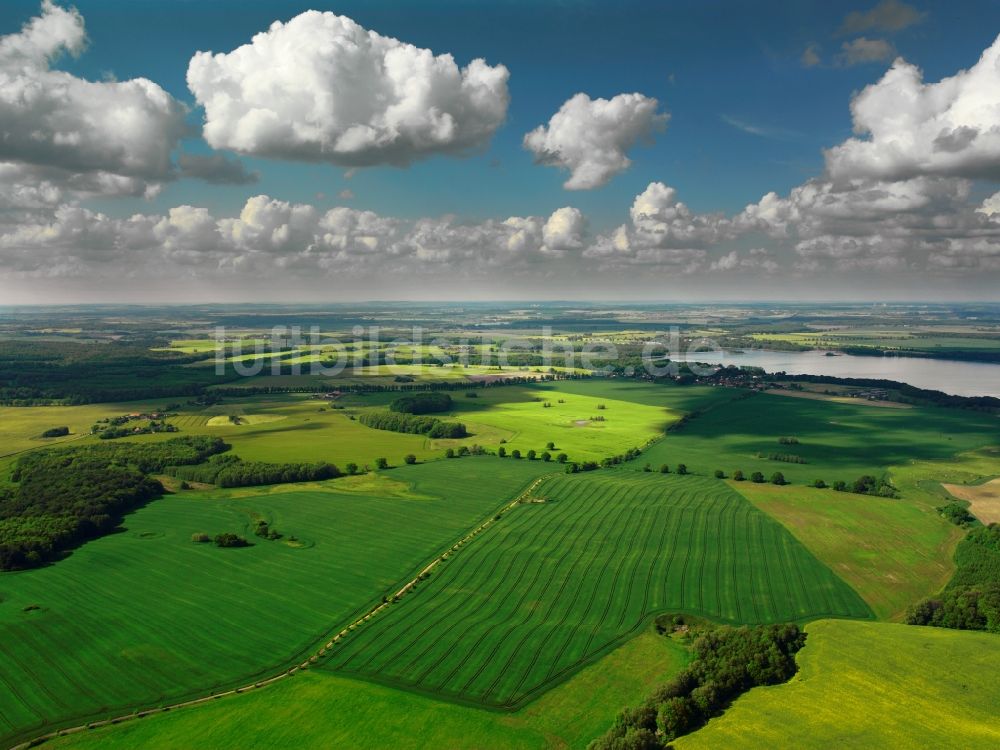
x,y
350,173
888,16
216,169
863,50
810,56
346,195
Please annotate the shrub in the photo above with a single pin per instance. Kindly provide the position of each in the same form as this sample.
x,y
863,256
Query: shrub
x,y
201,538
352,468
450,453
664,469
562,458
381,463
819,484
409,458
501,451
840,486
228,539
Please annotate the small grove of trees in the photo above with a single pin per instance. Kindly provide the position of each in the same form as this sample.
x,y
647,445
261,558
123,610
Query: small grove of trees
x,y
958,514
56,432
408,423
425,402
727,662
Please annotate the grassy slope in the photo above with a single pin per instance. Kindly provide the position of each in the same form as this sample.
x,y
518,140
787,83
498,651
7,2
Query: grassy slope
x,y
556,583
864,685
838,441
320,710
145,616
892,552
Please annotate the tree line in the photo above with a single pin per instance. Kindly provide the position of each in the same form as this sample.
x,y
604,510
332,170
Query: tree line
x,y
229,470
727,662
971,600
432,427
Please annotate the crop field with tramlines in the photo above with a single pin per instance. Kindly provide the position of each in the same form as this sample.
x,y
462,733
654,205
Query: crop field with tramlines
x,y
578,566
146,616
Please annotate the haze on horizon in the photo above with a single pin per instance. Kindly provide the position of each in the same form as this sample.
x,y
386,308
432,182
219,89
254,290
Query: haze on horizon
x,y
190,152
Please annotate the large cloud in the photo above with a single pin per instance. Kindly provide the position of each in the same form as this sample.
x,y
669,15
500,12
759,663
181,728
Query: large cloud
x,y
111,131
322,88
590,137
949,128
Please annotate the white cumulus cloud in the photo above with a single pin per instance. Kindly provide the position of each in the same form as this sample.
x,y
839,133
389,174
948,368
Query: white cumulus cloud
x,y
591,137
112,131
323,88
908,128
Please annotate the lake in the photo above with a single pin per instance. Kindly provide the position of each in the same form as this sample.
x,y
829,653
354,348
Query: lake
x,y
949,376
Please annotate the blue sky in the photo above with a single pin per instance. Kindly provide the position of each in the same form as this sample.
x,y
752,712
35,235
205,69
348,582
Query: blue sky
x,y
758,93
703,61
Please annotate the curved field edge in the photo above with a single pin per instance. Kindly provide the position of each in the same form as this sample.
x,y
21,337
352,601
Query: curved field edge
x,y
198,620
863,685
429,635
317,709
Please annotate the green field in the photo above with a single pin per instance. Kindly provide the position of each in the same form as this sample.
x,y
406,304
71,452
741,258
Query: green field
x,y
321,710
864,685
838,441
892,552
146,616
560,580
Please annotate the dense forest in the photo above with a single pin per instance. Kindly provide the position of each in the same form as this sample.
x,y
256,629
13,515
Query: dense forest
x,y
65,497
432,427
727,662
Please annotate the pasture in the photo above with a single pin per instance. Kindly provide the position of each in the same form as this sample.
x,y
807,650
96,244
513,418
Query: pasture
x,y
321,710
561,579
837,441
864,685
146,616
892,552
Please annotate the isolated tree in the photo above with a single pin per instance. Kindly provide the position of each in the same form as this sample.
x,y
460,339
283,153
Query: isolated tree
x,y
647,467
562,458
819,484
531,454
352,468
738,475
550,446
409,458
381,463
450,453
501,451
840,486
720,474
682,469
515,453
664,469
546,456
778,478
757,477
